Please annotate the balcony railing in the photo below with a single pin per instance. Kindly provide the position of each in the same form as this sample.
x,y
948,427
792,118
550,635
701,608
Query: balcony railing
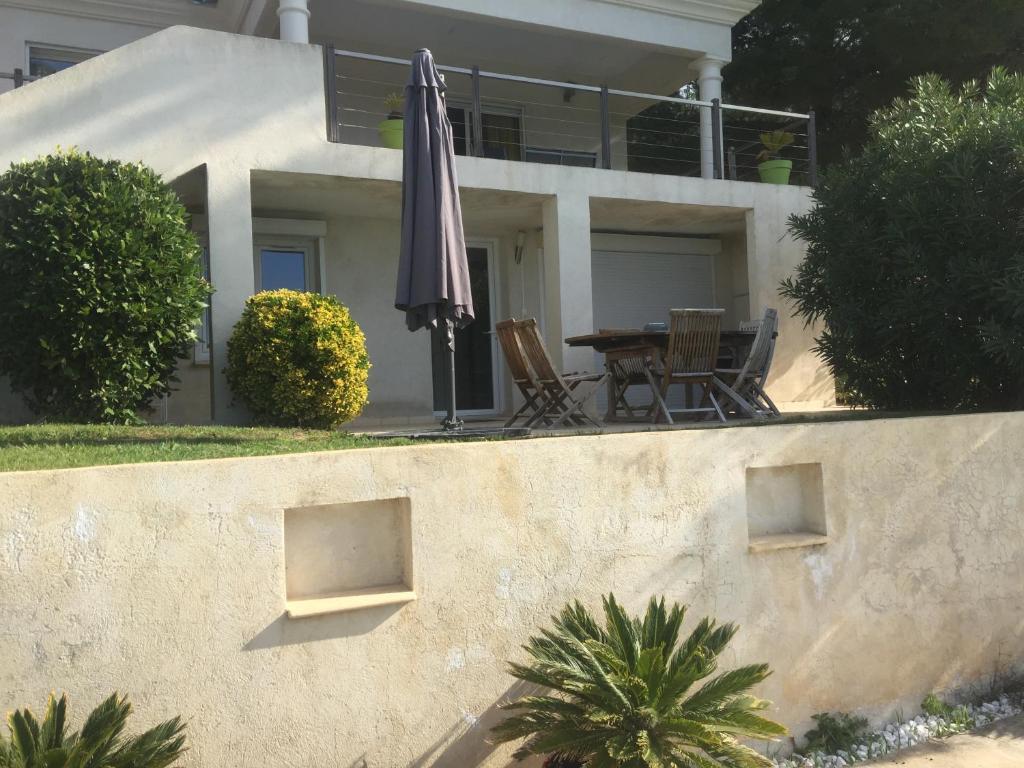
x,y
516,118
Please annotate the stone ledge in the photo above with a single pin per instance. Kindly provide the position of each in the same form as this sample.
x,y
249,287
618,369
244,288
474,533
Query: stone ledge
x,y
391,594
772,542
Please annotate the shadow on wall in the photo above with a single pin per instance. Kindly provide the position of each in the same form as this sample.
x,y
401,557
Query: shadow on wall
x,y
284,631
467,742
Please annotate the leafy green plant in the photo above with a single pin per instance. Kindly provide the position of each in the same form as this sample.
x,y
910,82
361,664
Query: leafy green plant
x,y
914,265
100,743
100,286
298,359
774,142
623,695
832,733
934,706
394,102
958,718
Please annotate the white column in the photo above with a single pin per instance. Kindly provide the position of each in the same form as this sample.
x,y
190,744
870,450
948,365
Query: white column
x,y
294,18
569,303
709,86
229,217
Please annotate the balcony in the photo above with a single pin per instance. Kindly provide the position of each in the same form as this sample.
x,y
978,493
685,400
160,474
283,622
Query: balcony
x,y
516,118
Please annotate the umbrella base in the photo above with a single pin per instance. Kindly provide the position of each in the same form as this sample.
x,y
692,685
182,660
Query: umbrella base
x,y
452,424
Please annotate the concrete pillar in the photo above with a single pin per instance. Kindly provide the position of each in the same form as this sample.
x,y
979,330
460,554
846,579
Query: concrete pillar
x,y
229,218
569,302
709,86
294,19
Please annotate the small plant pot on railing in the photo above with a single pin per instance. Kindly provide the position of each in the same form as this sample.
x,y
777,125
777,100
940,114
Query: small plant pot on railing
x,y
775,171
392,130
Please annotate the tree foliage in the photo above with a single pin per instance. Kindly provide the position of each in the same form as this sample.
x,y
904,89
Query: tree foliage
x,y
626,695
915,255
847,58
100,742
100,286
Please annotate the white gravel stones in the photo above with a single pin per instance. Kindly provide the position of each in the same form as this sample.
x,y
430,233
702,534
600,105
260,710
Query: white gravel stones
x,y
901,735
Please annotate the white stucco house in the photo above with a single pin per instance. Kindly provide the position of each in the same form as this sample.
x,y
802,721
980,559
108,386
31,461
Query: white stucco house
x,y
594,195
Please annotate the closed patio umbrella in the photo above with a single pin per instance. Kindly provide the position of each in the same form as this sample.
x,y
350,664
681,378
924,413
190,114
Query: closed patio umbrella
x,y
433,271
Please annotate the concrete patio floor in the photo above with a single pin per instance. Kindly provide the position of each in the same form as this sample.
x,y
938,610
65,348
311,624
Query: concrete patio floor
x,y
999,745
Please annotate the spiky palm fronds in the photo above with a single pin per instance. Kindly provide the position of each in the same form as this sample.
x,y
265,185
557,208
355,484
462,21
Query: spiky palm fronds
x,y
99,744
626,695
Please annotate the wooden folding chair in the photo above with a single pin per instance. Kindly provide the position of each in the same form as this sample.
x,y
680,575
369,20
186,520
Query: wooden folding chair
x,y
628,367
558,390
690,360
745,386
534,402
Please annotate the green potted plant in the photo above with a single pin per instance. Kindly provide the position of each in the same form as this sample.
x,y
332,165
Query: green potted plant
x,y
772,168
392,130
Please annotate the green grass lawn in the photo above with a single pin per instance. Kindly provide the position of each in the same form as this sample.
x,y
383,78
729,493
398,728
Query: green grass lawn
x,y
55,446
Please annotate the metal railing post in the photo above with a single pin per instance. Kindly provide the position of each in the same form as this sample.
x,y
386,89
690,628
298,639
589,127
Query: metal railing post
x,y
478,124
331,93
812,148
731,157
19,78
606,130
716,136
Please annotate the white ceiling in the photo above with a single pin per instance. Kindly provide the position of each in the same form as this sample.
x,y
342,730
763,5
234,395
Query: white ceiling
x,y
386,27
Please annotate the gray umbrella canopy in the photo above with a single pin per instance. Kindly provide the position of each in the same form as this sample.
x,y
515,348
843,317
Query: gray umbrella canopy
x,y
433,272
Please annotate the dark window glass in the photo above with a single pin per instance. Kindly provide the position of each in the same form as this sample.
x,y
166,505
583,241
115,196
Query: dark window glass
x,y
282,269
474,372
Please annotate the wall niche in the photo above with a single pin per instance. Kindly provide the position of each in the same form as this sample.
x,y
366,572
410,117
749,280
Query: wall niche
x,y
785,507
344,557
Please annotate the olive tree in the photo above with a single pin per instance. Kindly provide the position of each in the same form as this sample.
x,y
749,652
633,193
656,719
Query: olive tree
x,y
915,252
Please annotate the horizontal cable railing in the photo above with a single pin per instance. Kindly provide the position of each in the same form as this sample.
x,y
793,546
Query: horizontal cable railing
x,y
517,118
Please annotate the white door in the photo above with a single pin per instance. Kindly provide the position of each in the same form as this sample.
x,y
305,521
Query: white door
x,y
633,288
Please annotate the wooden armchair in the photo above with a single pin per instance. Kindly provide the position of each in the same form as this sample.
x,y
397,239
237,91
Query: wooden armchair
x,y
690,360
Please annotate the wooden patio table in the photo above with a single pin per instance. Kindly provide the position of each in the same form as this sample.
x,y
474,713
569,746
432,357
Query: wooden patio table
x,y
731,345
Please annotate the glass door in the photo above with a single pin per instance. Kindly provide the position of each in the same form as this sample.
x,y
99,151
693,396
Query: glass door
x,y
475,360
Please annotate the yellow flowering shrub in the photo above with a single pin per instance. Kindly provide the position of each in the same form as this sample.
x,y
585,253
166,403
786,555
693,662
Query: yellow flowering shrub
x,y
298,359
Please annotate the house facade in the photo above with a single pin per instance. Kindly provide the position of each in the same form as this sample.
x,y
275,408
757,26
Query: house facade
x,y
603,182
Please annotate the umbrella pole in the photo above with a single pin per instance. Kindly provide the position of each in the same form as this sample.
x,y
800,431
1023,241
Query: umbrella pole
x,y
452,423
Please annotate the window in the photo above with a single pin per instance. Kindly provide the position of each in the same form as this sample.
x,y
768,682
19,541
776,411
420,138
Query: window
x,y
286,263
45,60
201,352
502,131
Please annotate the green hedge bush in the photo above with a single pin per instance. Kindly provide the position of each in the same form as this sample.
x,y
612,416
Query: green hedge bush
x,y
915,254
298,359
100,286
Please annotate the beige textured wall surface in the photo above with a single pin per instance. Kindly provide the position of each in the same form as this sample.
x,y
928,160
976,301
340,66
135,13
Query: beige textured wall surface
x,y
168,580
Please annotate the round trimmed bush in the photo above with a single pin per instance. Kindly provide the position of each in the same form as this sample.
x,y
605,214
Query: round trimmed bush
x,y
298,359
100,286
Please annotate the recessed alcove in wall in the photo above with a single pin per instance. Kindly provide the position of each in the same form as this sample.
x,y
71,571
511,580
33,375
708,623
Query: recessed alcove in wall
x,y
343,557
785,507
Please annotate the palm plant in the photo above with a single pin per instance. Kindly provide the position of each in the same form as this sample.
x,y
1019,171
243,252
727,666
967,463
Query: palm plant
x,y
622,695
100,743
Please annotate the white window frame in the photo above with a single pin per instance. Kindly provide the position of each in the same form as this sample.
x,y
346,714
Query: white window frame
x,y
488,109
201,349
491,245
307,245
78,53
